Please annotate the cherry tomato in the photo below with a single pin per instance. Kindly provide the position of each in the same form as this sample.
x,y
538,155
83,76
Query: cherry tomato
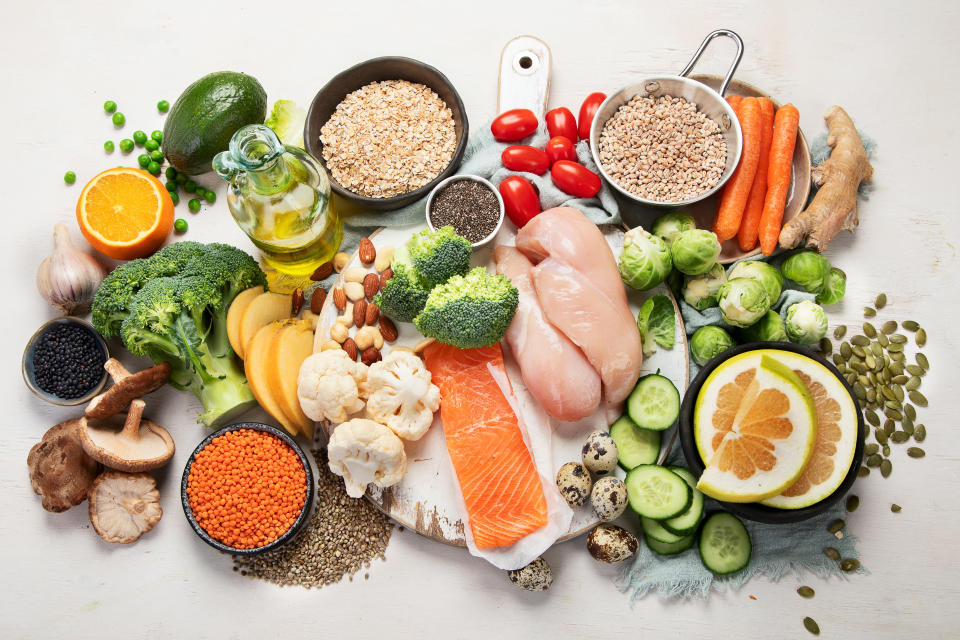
x,y
575,179
513,125
560,148
523,157
587,110
560,122
520,200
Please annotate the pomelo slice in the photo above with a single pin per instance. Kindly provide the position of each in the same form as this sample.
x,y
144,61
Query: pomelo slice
x,y
755,424
836,435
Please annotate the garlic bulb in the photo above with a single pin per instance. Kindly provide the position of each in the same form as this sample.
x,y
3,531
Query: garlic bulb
x,y
68,278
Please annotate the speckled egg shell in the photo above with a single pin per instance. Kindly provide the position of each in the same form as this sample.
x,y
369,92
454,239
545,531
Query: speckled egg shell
x,y
536,576
609,543
609,498
599,453
574,483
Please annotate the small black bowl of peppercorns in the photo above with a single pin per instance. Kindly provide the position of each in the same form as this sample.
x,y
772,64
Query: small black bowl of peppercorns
x,y
63,362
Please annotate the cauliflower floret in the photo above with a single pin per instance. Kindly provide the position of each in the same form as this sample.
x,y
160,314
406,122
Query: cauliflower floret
x,y
400,395
363,451
328,385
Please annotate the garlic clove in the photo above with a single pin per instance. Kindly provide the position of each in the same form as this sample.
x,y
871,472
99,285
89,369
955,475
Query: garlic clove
x,y
68,278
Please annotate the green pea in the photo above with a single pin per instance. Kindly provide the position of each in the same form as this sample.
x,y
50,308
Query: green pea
x,y
143,160
175,197
109,106
210,196
163,106
180,225
171,173
119,119
108,146
157,135
126,145
139,137
201,192
157,155
190,186
171,186
154,168
151,145
194,204
70,177
181,178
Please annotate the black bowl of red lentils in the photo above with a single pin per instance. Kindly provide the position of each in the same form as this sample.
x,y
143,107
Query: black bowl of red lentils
x,y
63,362
247,488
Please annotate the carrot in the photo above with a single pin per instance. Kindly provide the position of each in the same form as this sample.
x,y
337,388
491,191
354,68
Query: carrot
x,y
785,126
735,102
748,236
735,193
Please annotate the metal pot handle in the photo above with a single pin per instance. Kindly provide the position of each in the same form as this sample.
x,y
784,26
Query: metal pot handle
x,y
703,47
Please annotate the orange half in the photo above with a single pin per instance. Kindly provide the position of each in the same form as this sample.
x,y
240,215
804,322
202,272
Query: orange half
x,y
125,213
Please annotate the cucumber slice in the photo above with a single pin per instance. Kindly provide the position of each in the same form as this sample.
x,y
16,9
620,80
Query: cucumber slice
x,y
654,403
725,545
654,530
656,492
635,446
686,523
671,548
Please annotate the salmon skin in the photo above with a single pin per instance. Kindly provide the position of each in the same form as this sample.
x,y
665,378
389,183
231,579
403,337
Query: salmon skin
x,y
498,479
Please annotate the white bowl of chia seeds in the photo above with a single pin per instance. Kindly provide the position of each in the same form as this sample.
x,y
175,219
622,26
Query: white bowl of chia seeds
x,y
468,203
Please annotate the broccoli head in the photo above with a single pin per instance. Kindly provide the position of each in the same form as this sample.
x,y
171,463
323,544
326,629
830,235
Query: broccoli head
x,y
469,311
403,295
439,255
172,307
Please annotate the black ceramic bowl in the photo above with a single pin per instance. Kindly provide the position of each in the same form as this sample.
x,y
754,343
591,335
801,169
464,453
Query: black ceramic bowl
x,y
29,375
377,70
294,529
753,510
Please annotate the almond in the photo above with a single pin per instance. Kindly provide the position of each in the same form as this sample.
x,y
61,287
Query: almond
x,y
367,252
359,313
322,272
370,356
339,299
386,275
387,329
371,284
373,314
317,299
296,302
351,348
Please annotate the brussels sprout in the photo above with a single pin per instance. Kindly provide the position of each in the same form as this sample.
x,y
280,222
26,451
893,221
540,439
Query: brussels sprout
x,y
808,269
645,261
700,292
742,302
833,288
708,342
806,322
695,251
657,324
670,225
769,327
766,274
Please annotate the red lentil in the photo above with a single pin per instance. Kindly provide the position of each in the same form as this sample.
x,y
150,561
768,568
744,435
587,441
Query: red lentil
x,y
246,488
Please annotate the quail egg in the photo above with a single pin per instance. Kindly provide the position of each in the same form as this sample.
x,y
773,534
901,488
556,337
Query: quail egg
x,y
536,576
609,543
609,498
599,453
574,483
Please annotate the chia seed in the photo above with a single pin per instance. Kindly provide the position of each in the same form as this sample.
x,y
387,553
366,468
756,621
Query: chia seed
x,y
470,207
68,361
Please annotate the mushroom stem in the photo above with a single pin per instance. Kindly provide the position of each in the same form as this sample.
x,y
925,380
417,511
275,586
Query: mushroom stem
x,y
131,426
116,370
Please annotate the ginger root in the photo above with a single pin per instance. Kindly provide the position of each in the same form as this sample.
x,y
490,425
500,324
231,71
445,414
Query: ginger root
x,y
834,207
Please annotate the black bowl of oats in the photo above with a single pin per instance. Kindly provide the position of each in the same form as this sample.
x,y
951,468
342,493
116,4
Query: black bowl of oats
x,y
387,131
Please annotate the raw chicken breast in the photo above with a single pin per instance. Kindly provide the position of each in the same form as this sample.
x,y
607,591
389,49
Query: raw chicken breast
x,y
555,371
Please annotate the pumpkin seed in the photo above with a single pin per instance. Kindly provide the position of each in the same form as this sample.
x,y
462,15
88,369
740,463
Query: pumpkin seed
x,y
886,468
893,414
805,592
869,330
889,326
918,398
858,366
859,391
913,383
838,362
832,553
909,411
872,417
881,436
845,350
876,349
916,452
826,346
860,341
907,425
895,508
898,357
850,564
883,340
920,433
910,325
859,351
900,379
871,449
900,437
897,392
811,625
869,312
870,361
852,503
893,404
887,393
874,460
865,380
836,525
895,368
894,347
921,337
923,362
871,395
915,370
851,377
863,472
881,301
840,331
897,338
888,426
886,450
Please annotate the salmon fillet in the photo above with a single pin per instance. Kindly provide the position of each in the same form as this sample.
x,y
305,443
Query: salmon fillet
x,y
498,479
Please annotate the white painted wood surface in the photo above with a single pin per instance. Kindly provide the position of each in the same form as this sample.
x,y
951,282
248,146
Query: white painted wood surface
x,y
891,65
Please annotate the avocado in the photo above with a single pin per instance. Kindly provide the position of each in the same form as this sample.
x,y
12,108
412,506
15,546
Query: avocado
x,y
207,114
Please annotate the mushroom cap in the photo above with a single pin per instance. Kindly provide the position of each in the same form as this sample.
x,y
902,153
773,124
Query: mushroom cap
x,y
60,471
124,506
107,442
126,388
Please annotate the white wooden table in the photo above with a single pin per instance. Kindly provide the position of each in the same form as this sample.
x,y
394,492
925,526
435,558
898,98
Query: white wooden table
x,y
893,66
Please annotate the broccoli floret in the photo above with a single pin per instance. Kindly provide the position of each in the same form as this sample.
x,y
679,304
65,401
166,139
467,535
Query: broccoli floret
x,y
439,255
403,295
469,311
172,307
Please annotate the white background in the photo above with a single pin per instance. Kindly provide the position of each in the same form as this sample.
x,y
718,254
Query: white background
x,y
893,66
